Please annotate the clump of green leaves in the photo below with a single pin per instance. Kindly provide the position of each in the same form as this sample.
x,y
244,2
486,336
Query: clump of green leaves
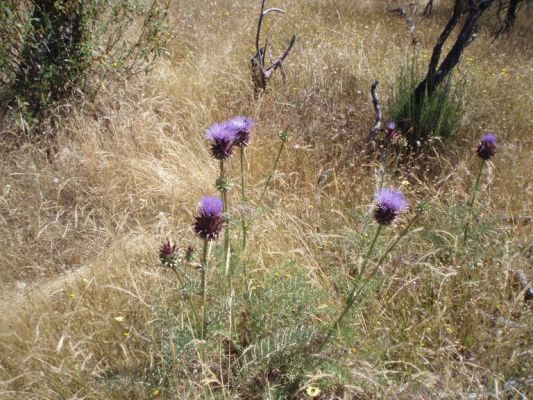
x,y
438,115
51,49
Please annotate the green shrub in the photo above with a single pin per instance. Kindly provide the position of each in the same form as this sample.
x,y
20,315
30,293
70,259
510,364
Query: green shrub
x,y
51,49
438,115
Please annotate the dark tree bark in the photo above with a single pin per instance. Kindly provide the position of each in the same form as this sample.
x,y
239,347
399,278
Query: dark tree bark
x,y
437,73
512,10
428,9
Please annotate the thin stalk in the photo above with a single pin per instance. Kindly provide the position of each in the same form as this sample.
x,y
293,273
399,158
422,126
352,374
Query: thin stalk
x,y
224,195
191,304
357,289
227,250
471,202
351,297
272,173
203,327
243,173
243,199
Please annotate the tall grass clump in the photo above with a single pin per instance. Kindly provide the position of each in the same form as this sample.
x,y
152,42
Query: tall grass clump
x,y
438,115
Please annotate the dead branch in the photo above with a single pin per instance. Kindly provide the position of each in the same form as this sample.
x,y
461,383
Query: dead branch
x,y
503,321
525,286
260,72
377,107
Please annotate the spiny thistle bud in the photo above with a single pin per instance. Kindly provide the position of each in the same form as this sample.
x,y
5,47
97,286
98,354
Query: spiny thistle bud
x,y
389,203
224,184
243,128
223,139
285,135
168,255
487,146
210,220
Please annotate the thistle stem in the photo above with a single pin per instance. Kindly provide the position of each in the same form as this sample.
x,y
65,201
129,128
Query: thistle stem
x,y
271,173
243,172
350,300
224,195
193,309
203,327
358,288
471,202
243,198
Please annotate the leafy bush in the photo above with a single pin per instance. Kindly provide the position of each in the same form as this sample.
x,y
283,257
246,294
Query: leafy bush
x,y
50,48
439,114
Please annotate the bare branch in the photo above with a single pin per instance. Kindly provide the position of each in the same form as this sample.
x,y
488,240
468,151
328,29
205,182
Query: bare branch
x,y
278,10
260,72
377,107
259,24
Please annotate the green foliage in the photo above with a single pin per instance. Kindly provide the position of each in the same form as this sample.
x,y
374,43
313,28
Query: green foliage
x,y
437,117
52,49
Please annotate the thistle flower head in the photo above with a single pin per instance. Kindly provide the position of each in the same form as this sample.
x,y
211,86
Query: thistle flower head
x,y
210,220
487,146
223,138
168,254
243,128
389,203
391,132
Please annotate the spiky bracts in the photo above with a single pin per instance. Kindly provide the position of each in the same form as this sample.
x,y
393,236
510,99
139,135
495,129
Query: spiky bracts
x,y
210,221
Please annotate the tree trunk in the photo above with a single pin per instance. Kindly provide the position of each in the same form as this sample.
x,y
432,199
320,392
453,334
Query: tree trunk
x,y
510,18
435,76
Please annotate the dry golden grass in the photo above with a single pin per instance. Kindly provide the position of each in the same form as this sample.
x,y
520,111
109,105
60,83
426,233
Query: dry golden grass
x,y
84,305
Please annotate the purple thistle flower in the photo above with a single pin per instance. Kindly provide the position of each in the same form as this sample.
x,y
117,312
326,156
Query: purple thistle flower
x,y
168,254
223,137
391,132
389,203
210,220
243,127
487,146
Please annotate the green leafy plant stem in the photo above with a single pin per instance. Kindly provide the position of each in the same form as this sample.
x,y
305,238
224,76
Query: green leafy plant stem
x,y
224,195
272,172
243,199
358,287
470,206
350,300
203,327
189,299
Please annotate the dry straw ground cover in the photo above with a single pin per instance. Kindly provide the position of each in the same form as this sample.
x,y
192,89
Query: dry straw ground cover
x,y
86,311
